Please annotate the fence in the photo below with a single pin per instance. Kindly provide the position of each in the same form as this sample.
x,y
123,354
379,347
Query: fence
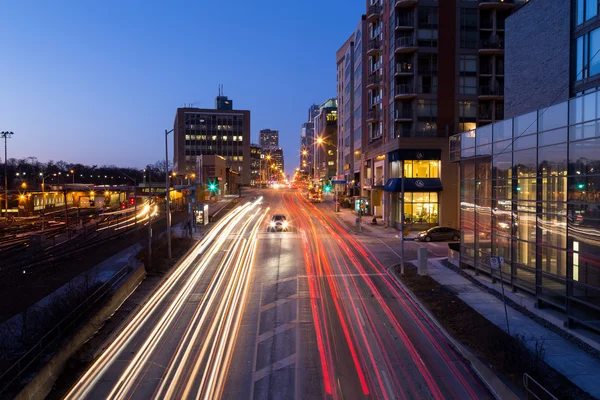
x,y
534,390
25,364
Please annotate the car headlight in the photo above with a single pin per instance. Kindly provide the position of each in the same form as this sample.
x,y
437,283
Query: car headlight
x,y
272,224
285,224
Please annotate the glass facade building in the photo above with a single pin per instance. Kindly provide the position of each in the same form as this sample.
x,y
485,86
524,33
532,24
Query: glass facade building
x,y
530,192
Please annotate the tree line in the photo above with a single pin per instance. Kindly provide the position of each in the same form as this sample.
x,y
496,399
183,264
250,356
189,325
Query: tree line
x,y
28,172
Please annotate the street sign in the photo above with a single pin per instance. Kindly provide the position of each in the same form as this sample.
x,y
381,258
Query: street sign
x,y
338,182
494,262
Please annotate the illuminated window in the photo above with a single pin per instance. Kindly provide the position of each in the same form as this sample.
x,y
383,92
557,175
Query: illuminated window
x,y
420,208
224,137
422,168
214,137
187,137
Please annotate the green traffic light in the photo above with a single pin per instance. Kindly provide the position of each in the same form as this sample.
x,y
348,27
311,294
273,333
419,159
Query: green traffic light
x,y
327,189
580,186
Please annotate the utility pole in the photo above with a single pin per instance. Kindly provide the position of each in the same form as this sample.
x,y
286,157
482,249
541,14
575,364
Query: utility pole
x,y
6,135
149,217
402,220
167,194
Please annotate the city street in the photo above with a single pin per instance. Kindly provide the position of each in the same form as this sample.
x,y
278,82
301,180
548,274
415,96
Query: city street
x,y
254,314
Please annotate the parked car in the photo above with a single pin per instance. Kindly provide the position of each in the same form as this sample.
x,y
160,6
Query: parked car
x,y
439,233
278,223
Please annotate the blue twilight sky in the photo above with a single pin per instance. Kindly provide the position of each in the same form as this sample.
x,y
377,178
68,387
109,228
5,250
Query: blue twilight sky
x,y
97,82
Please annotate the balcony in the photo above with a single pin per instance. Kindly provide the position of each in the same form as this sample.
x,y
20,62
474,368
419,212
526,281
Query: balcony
x,y
373,46
501,4
404,91
404,69
485,69
405,22
491,46
373,81
485,114
405,114
405,44
491,91
373,12
487,23
404,3
373,115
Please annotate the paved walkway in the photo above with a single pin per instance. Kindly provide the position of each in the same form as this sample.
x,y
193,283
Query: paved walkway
x,y
577,365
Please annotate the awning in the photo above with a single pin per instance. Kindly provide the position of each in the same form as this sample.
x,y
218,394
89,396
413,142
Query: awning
x,y
394,185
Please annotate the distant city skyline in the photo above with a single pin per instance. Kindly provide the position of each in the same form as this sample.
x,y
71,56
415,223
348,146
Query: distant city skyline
x,y
102,90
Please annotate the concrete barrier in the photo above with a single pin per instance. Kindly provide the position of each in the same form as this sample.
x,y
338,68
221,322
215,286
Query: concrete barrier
x,y
41,384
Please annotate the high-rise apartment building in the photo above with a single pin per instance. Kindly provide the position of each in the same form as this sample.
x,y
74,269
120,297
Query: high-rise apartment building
x,y
324,146
256,164
432,68
220,132
268,138
307,135
351,115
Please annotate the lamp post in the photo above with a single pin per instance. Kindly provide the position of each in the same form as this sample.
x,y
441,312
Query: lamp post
x,y
44,197
168,211
6,135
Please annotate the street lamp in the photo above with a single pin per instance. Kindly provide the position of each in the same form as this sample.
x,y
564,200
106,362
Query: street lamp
x,y
44,197
6,135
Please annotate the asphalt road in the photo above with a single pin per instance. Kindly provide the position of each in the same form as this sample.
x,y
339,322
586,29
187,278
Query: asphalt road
x,y
306,314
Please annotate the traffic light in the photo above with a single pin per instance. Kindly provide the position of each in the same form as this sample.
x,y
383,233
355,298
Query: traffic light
x,y
123,205
580,186
327,189
132,201
212,186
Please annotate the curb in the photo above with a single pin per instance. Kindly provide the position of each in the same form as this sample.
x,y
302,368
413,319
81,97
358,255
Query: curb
x,y
499,389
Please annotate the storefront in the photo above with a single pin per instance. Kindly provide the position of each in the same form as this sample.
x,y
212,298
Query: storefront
x,y
422,187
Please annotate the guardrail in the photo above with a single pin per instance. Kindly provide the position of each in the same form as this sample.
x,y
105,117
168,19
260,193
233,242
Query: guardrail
x,y
534,390
24,364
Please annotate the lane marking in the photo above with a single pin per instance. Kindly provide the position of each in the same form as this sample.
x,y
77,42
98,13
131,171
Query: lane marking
x,y
268,370
278,302
277,330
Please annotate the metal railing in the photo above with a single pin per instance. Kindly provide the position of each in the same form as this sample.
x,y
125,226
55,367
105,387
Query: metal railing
x,y
373,114
373,44
403,114
405,89
373,10
404,68
534,390
24,364
406,41
405,20
491,44
491,90
373,79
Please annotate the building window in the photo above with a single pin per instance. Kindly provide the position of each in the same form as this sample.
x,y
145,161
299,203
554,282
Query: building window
x,y
468,28
422,168
468,85
419,208
586,10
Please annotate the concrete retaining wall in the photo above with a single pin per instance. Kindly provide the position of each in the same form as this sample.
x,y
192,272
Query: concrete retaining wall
x,y
42,383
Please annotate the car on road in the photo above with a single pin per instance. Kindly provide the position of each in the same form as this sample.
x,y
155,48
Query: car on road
x,y
439,233
278,223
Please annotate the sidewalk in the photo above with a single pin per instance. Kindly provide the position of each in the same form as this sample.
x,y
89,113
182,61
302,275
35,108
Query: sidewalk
x,y
567,358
